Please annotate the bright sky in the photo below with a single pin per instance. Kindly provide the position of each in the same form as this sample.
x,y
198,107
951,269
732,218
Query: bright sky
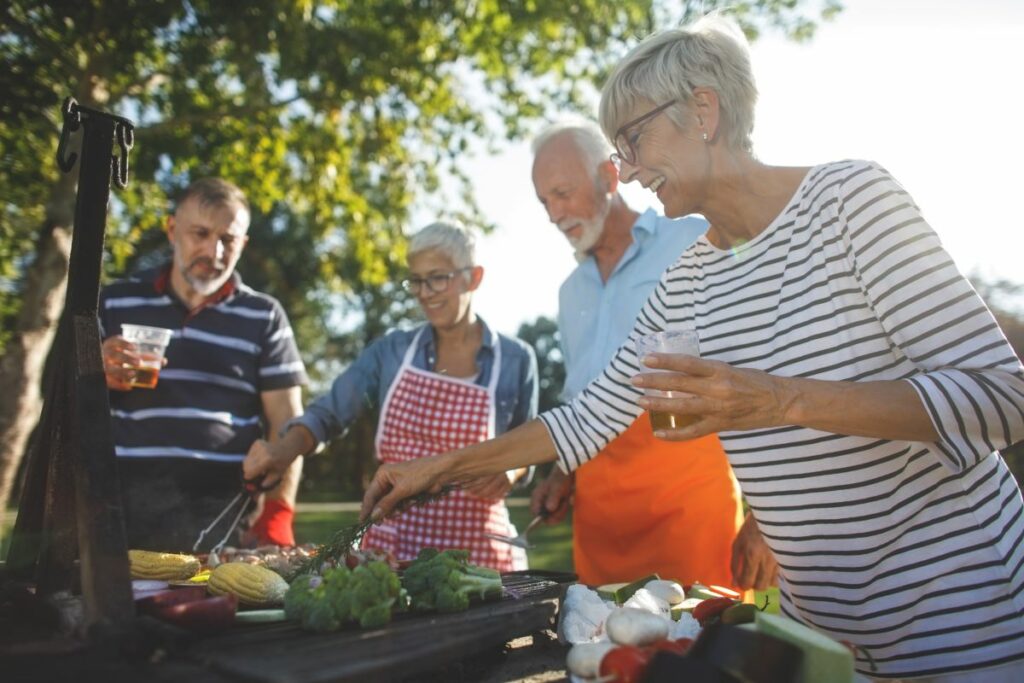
x,y
931,89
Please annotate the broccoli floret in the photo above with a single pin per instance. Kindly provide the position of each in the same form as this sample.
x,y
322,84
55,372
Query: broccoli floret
x,y
445,581
375,617
374,591
368,595
321,617
300,596
334,592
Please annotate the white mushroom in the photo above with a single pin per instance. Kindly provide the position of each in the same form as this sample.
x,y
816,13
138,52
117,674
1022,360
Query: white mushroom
x,y
669,591
632,626
648,602
581,616
584,659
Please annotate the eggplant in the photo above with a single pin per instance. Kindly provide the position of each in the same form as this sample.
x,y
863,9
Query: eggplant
x,y
150,604
208,615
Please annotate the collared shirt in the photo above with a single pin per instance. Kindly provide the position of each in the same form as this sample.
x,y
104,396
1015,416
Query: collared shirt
x,y
365,383
222,356
595,317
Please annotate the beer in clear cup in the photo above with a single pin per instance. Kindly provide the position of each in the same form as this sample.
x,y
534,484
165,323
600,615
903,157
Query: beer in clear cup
x,y
150,344
667,341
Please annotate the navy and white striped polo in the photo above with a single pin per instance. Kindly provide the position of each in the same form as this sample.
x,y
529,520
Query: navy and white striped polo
x,y
206,405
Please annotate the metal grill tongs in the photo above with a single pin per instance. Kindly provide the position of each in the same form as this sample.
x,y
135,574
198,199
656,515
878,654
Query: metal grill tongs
x,y
244,501
520,540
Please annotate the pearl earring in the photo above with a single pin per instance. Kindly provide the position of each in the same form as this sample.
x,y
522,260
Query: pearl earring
x,y
705,136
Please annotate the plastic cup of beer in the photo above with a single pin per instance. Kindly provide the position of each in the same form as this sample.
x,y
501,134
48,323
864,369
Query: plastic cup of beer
x,y
667,341
150,344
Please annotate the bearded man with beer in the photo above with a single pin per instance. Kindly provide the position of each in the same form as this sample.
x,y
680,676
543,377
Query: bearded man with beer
x,y
232,374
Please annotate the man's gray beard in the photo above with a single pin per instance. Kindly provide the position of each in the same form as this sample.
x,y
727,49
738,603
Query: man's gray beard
x,y
592,231
204,287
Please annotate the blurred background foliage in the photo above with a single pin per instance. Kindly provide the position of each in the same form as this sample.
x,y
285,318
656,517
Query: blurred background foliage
x,y
340,119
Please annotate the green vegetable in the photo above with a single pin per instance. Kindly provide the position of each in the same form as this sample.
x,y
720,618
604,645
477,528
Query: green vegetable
x,y
374,591
368,595
260,616
824,659
298,599
744,613
347,538
621,592
321,616
445,581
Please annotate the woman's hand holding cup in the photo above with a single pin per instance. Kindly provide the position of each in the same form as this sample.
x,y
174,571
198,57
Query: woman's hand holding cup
x,y
689,397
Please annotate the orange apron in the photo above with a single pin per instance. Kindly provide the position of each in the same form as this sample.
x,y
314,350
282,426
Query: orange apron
x,y
646,506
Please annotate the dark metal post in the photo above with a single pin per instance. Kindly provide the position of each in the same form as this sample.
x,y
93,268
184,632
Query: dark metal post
x,y
71,498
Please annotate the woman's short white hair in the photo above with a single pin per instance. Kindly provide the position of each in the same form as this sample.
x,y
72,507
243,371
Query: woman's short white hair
x,y
587,135
712,53
457,242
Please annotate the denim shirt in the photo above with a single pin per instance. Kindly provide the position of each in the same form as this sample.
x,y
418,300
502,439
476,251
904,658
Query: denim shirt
x,y
365,383
595,317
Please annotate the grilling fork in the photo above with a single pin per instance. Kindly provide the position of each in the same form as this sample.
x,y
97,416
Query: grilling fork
x,y
520,540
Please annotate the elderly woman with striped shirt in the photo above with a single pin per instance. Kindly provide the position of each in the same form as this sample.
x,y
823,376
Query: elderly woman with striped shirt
x,y
860,387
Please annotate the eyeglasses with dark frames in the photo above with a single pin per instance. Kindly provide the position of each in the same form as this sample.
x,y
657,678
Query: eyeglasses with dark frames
x,y
625,143
436,283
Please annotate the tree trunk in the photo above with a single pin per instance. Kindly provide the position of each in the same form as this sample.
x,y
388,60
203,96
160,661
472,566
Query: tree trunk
x,y
21,367
23,362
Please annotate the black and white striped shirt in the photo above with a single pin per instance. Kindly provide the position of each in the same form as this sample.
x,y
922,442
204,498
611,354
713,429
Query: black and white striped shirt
x,y
912,551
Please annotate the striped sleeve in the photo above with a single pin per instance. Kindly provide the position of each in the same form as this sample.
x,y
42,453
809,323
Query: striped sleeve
x,y
607,406
281,365
969,379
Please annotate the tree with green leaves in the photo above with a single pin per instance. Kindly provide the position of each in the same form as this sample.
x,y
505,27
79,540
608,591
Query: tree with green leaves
x,y
335,117
542,335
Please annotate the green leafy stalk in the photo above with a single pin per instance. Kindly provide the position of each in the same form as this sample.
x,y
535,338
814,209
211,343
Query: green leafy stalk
x,y
348,537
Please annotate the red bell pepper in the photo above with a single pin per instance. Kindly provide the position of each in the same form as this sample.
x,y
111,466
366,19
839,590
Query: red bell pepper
x,y
625,664
709,609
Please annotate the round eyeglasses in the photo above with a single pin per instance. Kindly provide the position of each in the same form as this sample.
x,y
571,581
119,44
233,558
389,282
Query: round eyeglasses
x,y
625,140
436,283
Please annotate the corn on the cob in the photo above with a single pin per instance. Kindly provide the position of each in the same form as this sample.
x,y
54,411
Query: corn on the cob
x,y
254,585
147,564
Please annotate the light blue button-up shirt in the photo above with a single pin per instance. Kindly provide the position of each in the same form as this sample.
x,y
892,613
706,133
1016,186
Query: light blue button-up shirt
x,y
595,317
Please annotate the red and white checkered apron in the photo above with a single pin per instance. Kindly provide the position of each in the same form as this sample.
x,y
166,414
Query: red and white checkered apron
x,y
426,414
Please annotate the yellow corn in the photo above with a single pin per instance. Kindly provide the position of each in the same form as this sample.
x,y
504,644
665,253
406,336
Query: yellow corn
x,y
147,564
254,585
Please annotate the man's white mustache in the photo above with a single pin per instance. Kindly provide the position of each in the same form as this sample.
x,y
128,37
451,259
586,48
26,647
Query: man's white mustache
x,y
568,224
208,263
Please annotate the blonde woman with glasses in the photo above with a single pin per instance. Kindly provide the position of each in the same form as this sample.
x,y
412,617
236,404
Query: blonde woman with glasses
x,y
443,385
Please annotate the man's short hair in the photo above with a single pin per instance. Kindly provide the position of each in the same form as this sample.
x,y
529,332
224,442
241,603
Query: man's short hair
x,y
214,192
590,141
454,241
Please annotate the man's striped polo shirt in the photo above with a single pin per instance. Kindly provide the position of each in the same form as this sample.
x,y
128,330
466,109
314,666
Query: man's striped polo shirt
x,y
207,404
